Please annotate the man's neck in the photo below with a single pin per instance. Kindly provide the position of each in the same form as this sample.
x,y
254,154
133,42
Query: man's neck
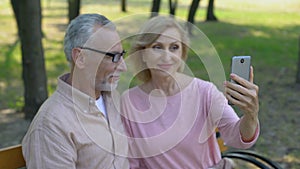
x,y
76,84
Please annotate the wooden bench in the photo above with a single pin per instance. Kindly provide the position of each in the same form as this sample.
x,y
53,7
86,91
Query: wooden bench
x,y
12,157
246,155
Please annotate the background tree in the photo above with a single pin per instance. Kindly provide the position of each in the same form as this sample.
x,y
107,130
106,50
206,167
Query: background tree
x,y
192,12
28,15
123,5
210,16
155,8
191,16
173,6
74,9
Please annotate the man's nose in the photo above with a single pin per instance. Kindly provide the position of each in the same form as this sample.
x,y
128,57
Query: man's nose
x,y
122,65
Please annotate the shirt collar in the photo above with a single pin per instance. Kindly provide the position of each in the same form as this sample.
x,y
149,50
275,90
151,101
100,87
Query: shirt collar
x,y
80,99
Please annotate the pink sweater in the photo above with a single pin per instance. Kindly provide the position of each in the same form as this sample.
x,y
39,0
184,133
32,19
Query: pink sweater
x,y
178,132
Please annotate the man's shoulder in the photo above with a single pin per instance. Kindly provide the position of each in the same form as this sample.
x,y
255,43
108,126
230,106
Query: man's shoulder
x,y
54,110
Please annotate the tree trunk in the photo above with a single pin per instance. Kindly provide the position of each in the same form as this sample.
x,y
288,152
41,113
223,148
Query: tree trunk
x,y
193,10
191,16
74,9
28,14
123,5
210,16
172,7
155,8
298,71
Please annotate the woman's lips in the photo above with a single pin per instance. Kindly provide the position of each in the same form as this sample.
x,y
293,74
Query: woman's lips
x,y
165,66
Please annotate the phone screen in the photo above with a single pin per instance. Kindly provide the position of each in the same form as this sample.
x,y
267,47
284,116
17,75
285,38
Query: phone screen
x,y
240,65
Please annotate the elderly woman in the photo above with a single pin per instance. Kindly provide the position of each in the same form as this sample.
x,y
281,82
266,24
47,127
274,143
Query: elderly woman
x,y
171,117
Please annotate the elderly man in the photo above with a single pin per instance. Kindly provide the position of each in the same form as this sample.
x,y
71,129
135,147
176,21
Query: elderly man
x,y
79,126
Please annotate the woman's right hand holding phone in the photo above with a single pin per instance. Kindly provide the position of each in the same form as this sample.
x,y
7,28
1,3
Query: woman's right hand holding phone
x,y
244,94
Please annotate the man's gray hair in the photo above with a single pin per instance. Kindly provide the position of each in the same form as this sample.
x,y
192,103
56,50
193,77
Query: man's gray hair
x,y
81,29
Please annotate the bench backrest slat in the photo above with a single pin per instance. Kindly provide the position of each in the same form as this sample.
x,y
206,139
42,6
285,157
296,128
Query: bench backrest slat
x,y
11,157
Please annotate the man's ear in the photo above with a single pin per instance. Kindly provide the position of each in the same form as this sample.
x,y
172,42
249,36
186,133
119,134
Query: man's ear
x,y
78,57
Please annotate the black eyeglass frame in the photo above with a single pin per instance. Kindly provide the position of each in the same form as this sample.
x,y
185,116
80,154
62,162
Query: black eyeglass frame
x,y
116,57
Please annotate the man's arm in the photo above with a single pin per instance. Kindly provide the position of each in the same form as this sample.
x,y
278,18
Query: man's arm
x,y
43,149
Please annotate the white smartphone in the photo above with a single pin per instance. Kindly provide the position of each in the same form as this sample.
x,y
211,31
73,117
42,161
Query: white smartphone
x,y
240,65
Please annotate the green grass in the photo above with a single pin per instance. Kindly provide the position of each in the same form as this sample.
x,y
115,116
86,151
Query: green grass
x,y
268,30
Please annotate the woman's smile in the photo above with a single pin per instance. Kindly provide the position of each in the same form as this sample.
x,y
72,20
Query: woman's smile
x,y
165,66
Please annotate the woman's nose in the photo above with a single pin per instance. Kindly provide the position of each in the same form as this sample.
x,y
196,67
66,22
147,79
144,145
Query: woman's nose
x,y
167,54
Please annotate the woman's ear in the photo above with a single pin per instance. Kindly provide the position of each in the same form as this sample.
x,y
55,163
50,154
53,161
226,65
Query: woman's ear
x,y
78,57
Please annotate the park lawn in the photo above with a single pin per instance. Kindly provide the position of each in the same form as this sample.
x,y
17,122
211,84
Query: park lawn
x,y
267,30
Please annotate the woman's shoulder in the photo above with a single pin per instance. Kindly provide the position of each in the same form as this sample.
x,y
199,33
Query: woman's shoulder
x,y
194,83
132,92
203,84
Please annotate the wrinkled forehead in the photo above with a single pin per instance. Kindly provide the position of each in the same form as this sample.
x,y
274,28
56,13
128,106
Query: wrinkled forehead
x,y
104,39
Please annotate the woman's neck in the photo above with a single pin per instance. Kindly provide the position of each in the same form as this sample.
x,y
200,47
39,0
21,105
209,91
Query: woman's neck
x,y
167,86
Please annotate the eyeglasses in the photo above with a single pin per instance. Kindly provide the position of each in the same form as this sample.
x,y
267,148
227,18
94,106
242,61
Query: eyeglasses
x,y
115,56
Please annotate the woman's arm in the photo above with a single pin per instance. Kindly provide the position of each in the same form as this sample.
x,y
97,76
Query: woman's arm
x,y
245,96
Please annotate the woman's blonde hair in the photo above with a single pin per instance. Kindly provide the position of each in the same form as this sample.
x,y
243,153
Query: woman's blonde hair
x,y
147,35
